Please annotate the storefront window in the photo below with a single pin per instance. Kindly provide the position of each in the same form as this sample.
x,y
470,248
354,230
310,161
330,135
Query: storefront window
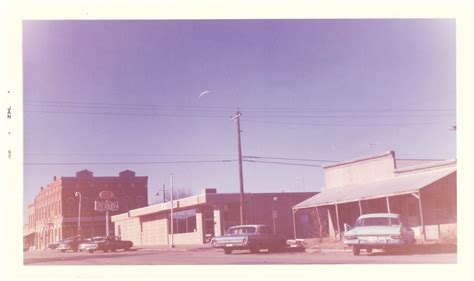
x,y
183,221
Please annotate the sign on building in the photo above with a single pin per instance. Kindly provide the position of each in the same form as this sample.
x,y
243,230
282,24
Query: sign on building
x,y
106,205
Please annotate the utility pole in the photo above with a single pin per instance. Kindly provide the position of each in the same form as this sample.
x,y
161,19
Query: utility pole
x,y
171,212
164,194
241,174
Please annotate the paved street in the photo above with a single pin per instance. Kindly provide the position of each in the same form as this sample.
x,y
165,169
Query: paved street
x,y
206,256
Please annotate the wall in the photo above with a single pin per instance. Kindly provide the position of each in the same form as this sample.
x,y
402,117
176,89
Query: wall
x,y
359,171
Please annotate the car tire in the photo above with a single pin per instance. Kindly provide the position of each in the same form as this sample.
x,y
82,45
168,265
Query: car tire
x,y
105,250
368,250
355,250
91,251
227,251
63,251
126,249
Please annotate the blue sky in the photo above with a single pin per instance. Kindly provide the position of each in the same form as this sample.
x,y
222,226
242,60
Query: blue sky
x,y
128,91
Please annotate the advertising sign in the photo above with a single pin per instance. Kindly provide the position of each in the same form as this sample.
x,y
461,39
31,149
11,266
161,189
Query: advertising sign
x,y
106,194
106,205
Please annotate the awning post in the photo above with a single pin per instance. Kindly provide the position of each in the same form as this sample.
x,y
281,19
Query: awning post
x,y
319,226
360,208
420,206
388,204
294,222
337,221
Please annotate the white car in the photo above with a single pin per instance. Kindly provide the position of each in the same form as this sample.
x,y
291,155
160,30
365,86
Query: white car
x,y
378,231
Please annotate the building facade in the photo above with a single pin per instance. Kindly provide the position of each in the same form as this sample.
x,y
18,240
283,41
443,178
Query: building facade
x,y
422,192
197,219
54,213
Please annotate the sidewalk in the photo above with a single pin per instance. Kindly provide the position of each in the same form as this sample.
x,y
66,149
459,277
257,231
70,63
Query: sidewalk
x,y
176,248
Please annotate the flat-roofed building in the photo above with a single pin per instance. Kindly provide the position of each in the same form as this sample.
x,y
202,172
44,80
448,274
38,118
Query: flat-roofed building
x,y
198,218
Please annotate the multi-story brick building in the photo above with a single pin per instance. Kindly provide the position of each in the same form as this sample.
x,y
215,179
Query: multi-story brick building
x,y
54,213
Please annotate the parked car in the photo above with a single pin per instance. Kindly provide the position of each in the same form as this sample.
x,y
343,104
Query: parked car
x,y
54,245
249,237
378,231
70,243
105,244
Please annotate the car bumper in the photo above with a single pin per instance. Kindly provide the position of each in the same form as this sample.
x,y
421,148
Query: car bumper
x,y
88,247
233,245
375,243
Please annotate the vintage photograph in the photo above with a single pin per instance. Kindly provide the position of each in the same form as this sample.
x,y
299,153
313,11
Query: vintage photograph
x,y
239,141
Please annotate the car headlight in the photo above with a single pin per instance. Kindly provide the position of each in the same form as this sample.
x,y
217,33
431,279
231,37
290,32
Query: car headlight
x,y
351,237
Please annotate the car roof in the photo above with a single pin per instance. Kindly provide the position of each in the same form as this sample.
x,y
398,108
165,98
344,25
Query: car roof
x,y
379,215
248,225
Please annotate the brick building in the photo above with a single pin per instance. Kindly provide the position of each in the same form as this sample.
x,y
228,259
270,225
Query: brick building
x,y
422,192
53,215
198,218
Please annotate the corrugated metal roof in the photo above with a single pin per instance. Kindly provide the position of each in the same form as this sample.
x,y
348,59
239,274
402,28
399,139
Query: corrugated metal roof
x,y
401,184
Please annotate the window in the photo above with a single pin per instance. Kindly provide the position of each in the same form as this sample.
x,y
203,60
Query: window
x,y
241,230
183,221
377,221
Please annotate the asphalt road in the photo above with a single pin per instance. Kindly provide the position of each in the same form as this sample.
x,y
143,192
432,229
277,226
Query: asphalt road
x,y
199,256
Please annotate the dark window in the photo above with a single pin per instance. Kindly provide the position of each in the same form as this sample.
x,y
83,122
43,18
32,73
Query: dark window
x,y
183,221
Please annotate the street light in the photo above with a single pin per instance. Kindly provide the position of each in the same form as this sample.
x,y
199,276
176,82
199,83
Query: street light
x,y
78,194
274,214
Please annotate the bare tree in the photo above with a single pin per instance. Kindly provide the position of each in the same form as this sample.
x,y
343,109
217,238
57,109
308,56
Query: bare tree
x,y
178,193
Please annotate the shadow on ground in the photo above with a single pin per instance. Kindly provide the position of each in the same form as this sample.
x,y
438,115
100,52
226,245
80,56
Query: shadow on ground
x,y
420,249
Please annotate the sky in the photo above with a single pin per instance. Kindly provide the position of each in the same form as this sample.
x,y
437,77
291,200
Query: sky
x,y
108,96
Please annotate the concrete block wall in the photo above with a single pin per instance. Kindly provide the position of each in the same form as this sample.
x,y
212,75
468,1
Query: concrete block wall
x,y
129,230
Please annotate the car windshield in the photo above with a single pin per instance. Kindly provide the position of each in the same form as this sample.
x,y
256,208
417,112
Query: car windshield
x,y
380,221
241,230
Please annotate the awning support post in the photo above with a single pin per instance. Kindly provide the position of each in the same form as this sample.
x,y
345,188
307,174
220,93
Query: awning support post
x,y
337,221
388,204
420,206
388,209
360,208
294,222
319,226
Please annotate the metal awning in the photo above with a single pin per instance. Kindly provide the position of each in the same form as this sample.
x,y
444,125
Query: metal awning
x,y
398,185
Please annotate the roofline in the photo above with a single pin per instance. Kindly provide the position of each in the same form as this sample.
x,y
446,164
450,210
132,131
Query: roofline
x,y
359,199
379,155
426,166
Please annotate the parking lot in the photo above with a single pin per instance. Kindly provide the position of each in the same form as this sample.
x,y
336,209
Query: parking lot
x,y
209,256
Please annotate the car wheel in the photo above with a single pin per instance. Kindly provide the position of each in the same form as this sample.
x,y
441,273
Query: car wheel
x,y
105,250
126,249
227,251
91,251
355,250
368,250
63,251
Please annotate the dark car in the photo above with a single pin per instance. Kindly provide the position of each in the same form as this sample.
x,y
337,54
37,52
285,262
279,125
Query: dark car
x,y
54,245
249,237
70,243
105,244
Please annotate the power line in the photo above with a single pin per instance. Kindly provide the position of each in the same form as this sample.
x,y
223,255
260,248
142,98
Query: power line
x,y
282,163
247,109
294,159
129,163
343,124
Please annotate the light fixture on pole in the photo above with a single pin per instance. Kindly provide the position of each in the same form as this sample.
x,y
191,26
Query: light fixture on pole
x,y
78,194
274,214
